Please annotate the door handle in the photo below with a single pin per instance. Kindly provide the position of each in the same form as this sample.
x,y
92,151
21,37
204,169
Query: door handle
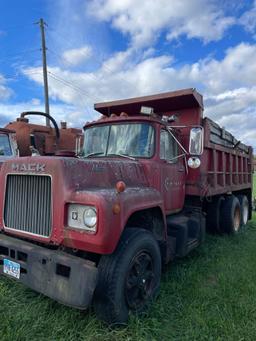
x,y
182,169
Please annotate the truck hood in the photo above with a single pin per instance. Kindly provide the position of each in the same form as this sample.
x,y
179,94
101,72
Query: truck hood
x,y
36,207
81,174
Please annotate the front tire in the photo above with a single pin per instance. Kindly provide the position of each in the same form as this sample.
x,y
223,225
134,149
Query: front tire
x,y
129,279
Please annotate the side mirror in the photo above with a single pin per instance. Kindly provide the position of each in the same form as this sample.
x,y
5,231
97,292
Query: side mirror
x,y
196,141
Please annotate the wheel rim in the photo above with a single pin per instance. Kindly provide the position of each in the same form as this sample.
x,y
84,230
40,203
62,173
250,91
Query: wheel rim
x,y
245,213
139,281
237,219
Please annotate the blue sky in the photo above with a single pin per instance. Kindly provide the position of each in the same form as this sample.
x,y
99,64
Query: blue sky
x,y
108,49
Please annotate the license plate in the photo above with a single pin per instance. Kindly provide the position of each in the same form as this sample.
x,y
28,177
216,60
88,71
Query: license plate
x,y
12,268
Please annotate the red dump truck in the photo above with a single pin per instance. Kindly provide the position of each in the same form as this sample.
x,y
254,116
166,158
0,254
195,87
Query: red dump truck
x,y
97,229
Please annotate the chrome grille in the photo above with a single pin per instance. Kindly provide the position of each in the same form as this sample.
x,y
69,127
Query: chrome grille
x,y
28,204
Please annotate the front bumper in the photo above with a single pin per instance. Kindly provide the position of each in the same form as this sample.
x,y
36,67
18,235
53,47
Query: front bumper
x,y
65,278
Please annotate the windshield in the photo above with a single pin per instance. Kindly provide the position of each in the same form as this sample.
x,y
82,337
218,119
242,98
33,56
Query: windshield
x,y
135,140
5,147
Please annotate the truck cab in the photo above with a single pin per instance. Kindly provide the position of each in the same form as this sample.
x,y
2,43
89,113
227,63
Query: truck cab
x,y
144,141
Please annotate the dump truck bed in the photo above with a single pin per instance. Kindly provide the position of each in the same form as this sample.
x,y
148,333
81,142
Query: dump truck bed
x,y
226,164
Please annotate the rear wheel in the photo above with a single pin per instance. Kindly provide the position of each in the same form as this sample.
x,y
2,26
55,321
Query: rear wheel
x,y
129,279
244,204
230,220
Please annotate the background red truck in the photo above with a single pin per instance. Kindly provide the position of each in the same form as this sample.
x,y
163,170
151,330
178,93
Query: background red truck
x,y
21,138
43,139
98,228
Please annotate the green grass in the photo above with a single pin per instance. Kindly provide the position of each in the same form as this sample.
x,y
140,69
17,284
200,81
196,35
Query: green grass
x,y
210,295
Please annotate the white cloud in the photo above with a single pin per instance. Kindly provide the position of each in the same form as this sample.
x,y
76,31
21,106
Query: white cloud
x,y
228,85
248,19
74,57
145,20
235,110
61,112
36,101
236,69
5,92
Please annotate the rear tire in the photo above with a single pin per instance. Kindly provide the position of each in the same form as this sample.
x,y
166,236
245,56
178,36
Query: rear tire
x,y
244,204
129,278
230,220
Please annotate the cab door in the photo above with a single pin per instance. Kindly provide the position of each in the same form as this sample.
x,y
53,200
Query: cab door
x,y
173,173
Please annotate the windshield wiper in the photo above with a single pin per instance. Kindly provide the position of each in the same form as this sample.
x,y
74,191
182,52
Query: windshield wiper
x,y
94,154
122,155
112,154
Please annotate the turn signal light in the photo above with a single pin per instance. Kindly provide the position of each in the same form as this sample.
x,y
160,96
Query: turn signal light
x,y
120,186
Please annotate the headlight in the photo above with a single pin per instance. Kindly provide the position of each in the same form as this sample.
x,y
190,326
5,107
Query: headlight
x,y
82,217
194,162
90,217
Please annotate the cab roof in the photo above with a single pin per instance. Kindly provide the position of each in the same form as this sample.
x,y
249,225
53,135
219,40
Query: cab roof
x,y
161,103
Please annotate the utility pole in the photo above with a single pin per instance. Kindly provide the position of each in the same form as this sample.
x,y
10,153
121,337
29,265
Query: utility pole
x,y
46,94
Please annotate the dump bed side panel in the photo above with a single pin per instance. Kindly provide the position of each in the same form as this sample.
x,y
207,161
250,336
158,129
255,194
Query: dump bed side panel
x,y
226,164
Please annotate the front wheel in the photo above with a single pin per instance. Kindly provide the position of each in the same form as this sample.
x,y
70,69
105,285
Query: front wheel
x,y
129,279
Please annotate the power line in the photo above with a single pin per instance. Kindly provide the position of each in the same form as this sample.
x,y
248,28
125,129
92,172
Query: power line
x,y
101,61
73,85
73,88
20,53
19,74
90,75
16,57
